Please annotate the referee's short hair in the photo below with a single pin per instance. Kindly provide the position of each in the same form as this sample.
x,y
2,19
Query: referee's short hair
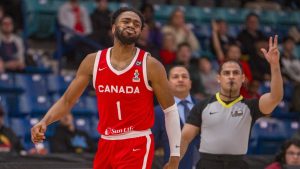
x,y
232,61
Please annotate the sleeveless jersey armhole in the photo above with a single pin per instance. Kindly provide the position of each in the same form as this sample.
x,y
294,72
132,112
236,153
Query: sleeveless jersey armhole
x,y
96,64
145,72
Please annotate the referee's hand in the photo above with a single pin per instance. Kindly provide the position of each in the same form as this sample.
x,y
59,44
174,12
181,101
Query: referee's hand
x,y
38,132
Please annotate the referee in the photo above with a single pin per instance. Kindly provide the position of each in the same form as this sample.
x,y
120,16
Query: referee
x,y
225,119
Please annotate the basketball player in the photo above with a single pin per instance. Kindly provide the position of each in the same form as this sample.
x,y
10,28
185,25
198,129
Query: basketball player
x,y
125,79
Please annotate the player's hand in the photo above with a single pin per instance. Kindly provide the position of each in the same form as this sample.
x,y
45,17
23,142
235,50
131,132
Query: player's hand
x,y
173,163
272,55
38,132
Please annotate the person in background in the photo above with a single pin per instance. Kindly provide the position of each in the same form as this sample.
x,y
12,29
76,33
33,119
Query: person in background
x,y
168,51
184,57
289,63
155,35
68,139
11,47
250,35
289,155
220,39
74,16
181,30
101,26
144,43
208,76
180,83
259,66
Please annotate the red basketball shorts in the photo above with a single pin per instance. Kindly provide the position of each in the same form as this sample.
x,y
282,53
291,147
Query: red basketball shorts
x,y
128,153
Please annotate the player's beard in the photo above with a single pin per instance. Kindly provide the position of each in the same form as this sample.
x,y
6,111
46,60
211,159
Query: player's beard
x,y
124,39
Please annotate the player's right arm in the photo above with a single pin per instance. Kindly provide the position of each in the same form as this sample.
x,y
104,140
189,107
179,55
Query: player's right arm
x,y
158,78
188,133
66,102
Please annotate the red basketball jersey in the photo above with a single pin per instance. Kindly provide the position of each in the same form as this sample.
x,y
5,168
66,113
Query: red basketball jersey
x,y
125,99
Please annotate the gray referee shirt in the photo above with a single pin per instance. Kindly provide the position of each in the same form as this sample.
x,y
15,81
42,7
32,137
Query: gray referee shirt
x,y
225,128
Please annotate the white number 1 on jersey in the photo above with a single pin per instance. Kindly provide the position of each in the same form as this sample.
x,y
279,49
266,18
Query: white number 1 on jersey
x,y
119,110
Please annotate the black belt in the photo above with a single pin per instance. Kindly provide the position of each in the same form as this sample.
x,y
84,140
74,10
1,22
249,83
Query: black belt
x,y
221,157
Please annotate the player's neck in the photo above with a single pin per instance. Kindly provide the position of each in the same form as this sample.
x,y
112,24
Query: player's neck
x,y
121,51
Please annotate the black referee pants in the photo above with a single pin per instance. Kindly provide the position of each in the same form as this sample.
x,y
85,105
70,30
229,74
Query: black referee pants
x,y
212,161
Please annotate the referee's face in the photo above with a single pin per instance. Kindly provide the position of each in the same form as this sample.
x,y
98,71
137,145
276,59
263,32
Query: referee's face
x,y
179,80
231,77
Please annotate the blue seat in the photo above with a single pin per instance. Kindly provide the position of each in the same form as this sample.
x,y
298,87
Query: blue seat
x,y
83,123
287,17
291,127
233,30
35,84
231,15
85,105
21,126
7,83
269,135
27,104
94,126
58,84
163,12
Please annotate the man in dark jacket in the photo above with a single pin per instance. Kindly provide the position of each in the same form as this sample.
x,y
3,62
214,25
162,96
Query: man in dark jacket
x,y
180,83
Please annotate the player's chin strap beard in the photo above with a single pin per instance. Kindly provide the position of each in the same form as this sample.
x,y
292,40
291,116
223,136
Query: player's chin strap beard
x,y
230,92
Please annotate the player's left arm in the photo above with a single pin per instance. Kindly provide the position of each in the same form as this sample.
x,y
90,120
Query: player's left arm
x,y
270,100
158,79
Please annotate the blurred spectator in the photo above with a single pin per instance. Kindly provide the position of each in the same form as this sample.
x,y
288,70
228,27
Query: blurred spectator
x,y
74,16
234,53
184,54
290,65
208,76
13,8
289,155
181,30
168,51
144,44
231,52
295,34
291,70
259,65
263,5
67,139
11,47
2,13
9,142
155,35
250,35
252,90
220,38
101,24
